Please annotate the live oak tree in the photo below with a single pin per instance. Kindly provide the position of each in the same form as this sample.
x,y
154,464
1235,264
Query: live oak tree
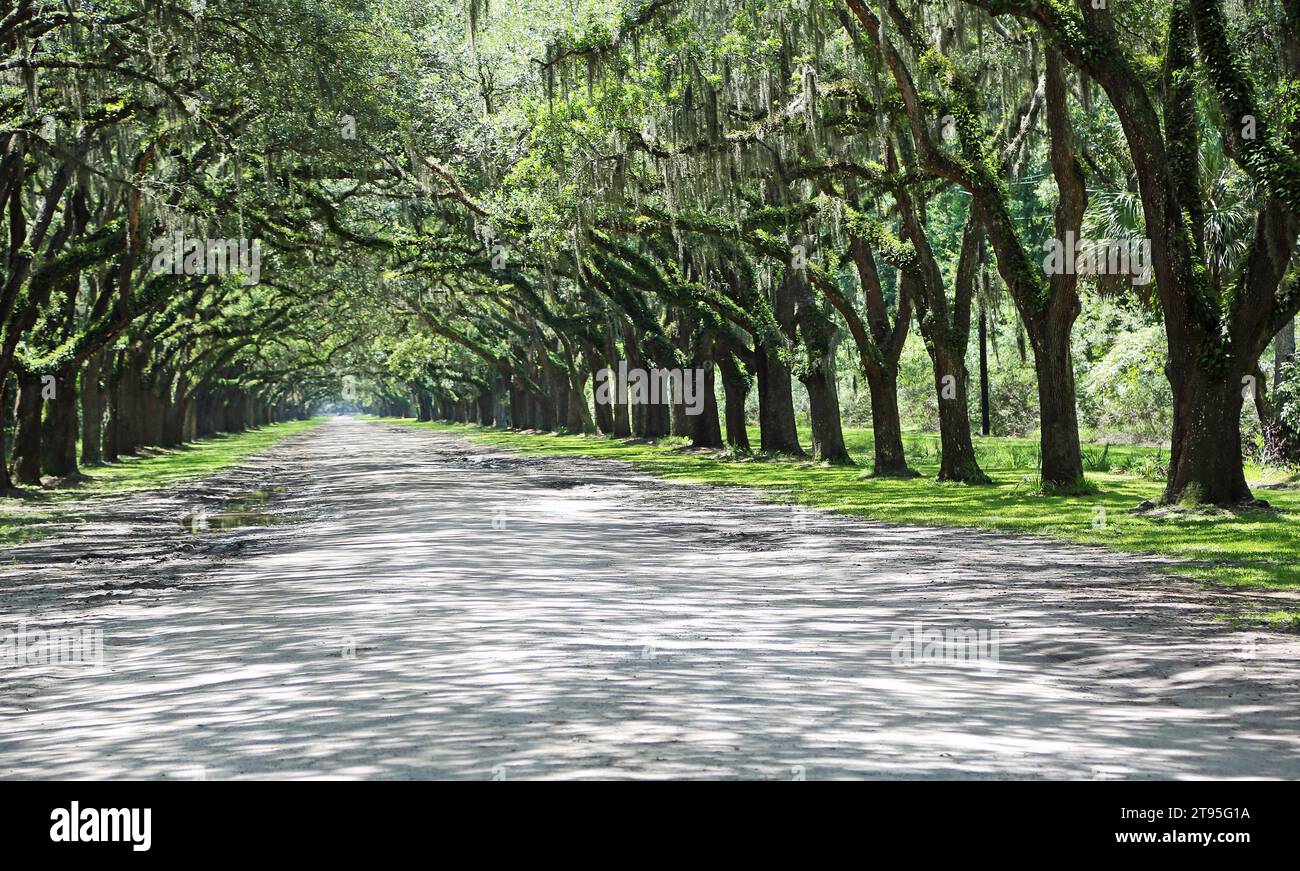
x,y
124,124
1216,332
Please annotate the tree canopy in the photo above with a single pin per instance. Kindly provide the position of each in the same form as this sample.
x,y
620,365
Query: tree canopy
x,y
229,212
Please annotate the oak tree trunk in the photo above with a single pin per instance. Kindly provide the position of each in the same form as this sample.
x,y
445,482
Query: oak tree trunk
x,y
1058,415
92,412
735,386
27,430
1205,456
957,461
704,429
59,432
777,433
886,428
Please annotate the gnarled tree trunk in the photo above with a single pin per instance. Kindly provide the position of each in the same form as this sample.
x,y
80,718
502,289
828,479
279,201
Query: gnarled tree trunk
x,y
1205,461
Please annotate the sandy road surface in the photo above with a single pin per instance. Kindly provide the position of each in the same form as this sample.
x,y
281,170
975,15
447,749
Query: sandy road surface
x,y
440,610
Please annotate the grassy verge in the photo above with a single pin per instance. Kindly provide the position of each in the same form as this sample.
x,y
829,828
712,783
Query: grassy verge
x,y
22,517
1255,548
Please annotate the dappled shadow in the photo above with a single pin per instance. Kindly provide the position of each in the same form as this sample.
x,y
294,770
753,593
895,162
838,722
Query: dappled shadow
x,y
454,612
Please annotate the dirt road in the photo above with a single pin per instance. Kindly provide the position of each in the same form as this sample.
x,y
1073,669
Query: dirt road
x,y
435,609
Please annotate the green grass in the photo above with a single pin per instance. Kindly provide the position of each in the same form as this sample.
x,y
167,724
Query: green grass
x,y
1255,548
24,517
1280,619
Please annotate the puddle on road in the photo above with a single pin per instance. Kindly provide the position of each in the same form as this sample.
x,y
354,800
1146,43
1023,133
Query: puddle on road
x,y
242,509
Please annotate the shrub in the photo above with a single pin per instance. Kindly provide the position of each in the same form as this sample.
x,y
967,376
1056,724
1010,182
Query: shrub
x,y
1126,390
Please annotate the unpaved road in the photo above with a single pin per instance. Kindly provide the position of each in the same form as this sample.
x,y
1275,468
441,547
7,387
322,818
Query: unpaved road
x,y
440,610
